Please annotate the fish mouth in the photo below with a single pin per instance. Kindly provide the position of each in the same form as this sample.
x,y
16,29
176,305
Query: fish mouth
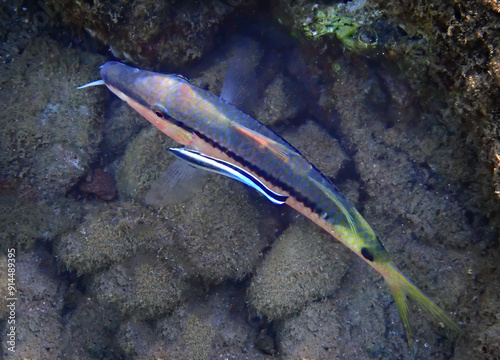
x,y
93,83
134,83
110,71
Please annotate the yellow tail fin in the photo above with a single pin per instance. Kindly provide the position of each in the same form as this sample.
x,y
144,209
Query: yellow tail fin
x,y
402,288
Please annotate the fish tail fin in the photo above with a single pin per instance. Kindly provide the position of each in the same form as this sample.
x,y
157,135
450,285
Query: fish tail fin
x,y
402,288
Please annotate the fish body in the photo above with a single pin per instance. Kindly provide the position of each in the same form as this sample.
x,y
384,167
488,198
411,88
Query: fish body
x,y
216,129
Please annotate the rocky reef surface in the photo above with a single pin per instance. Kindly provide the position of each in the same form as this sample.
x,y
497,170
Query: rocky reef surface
x,y
396,104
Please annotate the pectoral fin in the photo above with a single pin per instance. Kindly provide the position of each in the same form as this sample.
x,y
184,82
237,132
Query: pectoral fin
x,y
282,151
178,183
240,83
201,161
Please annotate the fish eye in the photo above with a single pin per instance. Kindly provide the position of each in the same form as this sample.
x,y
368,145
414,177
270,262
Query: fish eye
x,y
367,254
159,114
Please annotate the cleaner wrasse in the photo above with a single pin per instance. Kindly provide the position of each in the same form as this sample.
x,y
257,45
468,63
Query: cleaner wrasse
x,y
229,142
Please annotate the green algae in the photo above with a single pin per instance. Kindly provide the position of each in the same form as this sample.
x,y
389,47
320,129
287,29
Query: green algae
x,y
330,21
355,24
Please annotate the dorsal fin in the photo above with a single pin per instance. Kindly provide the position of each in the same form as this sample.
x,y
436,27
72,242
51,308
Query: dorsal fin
x,y
240,83
282,151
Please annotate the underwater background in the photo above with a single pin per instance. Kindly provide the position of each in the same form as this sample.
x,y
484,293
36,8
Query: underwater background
x,y
396,102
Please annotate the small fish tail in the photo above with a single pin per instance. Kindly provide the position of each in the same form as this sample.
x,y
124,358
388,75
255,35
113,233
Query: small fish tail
x,y
402,288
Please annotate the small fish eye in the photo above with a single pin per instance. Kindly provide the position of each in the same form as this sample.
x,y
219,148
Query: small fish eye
x,y
367,254
159,114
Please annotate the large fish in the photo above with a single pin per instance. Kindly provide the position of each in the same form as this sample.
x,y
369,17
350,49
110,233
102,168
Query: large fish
x,y
225,140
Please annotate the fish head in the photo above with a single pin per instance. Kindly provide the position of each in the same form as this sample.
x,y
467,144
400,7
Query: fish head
x,y
151,94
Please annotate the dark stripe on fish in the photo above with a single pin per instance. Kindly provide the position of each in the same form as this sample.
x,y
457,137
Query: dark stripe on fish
x,y
257,170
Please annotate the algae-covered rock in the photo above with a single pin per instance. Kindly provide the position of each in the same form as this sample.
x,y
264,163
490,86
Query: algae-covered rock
x,y
127,250
143,286
353,23
18,28
484,321
172,32
146,157
406,95
110,234
37,308
303,265
24,221
198,337
50,130
216,236
359,320
318,147
209,325
121,125
89,328
405,166
224,230
325,330
280,102
436,65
